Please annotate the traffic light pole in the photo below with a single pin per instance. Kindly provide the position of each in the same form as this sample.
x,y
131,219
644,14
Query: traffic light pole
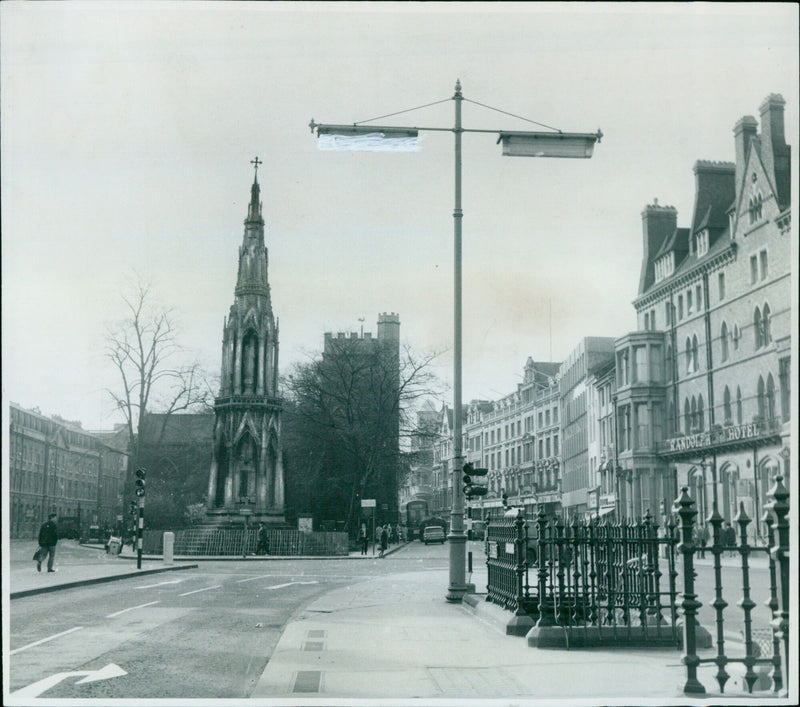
x,y
139,532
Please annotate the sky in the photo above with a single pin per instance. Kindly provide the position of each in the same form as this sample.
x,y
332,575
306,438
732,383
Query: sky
x,y
128,131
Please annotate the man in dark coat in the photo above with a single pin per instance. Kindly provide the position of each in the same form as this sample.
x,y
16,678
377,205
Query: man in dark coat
x,y
48,537
263,540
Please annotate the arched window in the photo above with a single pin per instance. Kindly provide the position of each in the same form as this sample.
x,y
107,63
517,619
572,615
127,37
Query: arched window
x,y
723,339
738,405
766,335
687,417
701,423
736,337
757,328
693,427
726,406
770,397
689,368
762,399
695,360
754,205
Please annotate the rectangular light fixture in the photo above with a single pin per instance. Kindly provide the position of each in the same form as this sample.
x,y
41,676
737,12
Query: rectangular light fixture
x,y
365,138
524,144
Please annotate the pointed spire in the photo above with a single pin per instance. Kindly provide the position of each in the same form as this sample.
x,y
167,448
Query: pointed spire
x,y
254,210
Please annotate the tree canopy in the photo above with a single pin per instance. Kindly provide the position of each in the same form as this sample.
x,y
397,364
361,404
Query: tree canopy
x,y
346,417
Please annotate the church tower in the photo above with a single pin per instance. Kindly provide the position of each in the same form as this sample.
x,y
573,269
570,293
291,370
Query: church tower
x,y
246,478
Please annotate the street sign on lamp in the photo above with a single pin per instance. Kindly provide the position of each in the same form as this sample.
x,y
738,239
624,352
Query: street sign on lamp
x,y
366,138
556,144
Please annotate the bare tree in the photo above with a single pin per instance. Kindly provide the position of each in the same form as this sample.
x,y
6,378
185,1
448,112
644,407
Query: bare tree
x,y
144,350
347,418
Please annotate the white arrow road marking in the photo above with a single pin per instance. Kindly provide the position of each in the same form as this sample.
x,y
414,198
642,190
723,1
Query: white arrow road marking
x,y
289,584
130,608
150,586
204,589
44,640
109,671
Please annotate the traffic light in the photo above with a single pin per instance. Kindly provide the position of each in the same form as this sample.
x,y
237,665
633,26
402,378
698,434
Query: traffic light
x,y
132,509
505,499
470,487
140,474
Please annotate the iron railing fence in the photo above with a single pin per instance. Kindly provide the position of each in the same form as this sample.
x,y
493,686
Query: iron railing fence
x,y
618,578
761,647
237,541
617,582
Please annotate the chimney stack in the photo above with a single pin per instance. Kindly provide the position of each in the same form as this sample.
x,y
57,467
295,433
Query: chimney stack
x,y
774,150
658,224
743,132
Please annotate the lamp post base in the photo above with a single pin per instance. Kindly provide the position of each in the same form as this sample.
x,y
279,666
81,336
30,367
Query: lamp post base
x,y
456,594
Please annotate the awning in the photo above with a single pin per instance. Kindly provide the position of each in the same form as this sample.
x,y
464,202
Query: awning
x,y
606,511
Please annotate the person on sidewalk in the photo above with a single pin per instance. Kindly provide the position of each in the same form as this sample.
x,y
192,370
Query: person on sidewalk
x,y
263,540
384,536
702,537
729,538
363,538
48,537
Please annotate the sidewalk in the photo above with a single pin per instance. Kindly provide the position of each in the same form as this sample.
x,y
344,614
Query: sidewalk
x,y
76,566
397,637
80,565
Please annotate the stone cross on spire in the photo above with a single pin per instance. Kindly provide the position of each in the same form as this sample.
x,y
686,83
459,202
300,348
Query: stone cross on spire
x,y
256,162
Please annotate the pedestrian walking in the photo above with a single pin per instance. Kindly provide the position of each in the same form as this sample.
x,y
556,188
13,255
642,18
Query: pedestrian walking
x,y
384,536
702,537
363,538
392,534
48,537
263,540
729,538
400,537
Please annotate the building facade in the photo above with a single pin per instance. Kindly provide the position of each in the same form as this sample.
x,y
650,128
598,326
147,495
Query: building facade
x,y
246,476
515,438
57,467
719,292
591,354
417,488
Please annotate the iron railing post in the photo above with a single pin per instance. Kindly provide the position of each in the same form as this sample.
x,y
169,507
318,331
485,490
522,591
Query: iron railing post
x,y
780,553
690,605
519,542
541,557
719,604
772,603
746,603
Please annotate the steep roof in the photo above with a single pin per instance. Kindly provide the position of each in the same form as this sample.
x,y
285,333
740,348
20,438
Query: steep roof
x,y
179,428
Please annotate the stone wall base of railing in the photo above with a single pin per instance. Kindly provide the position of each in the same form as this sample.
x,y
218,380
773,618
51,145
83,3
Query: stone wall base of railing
x,y
519,625
567,637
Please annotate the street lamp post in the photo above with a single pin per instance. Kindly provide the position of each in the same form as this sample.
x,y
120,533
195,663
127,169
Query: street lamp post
x,y
515,144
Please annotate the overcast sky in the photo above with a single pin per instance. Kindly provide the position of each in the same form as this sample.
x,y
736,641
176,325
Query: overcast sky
x,y
128,130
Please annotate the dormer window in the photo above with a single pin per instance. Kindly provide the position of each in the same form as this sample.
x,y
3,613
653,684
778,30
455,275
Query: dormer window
x,y
665,266
702,243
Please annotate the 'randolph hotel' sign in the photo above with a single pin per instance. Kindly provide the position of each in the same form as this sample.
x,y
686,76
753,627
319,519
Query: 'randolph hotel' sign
x,y
717,437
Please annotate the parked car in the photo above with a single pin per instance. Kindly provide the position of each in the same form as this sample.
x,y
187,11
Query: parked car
x,y
433,534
